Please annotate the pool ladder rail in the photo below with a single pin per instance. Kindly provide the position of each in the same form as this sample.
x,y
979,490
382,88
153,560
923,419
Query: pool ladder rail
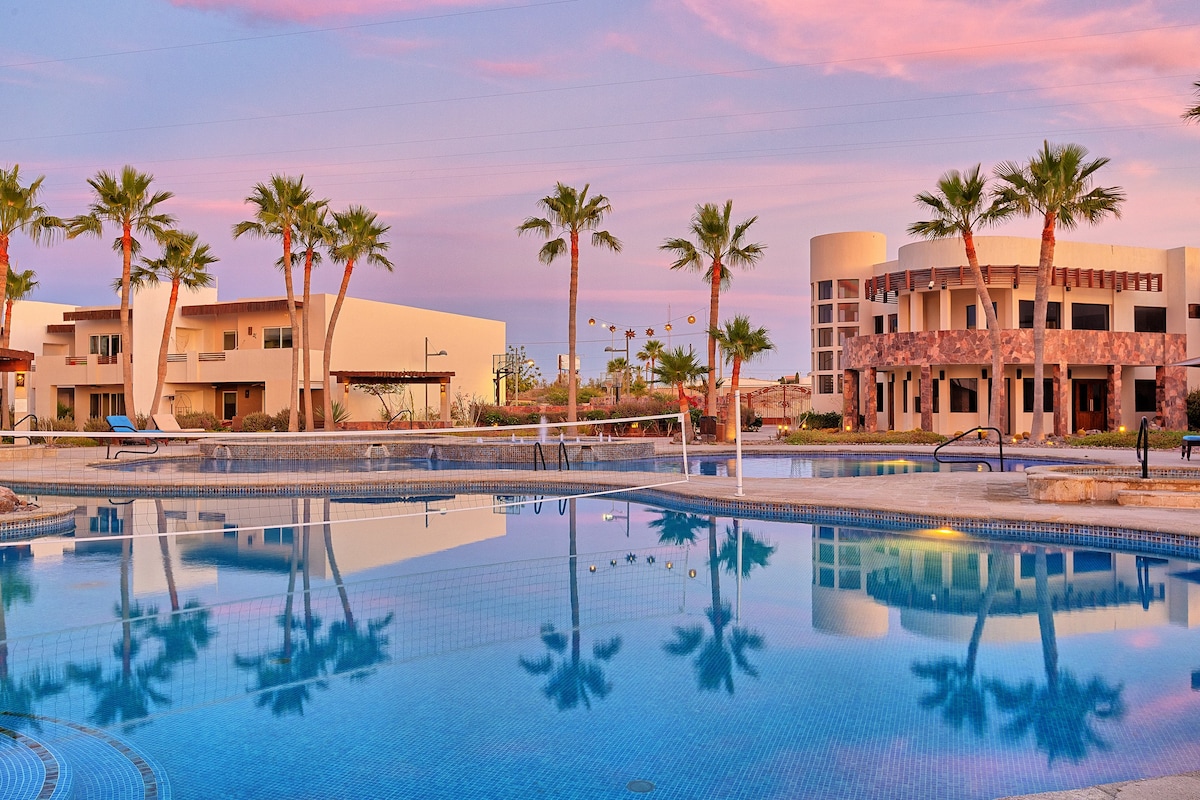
x,y
969,459
539,456
1142,447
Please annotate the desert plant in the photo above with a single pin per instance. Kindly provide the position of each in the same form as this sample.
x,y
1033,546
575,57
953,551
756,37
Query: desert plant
x,y
199,419
259,421
1193,410
63,411
96,425
338,411
820,420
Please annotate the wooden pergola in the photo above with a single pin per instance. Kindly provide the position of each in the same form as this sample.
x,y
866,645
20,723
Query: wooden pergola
x,y
346,377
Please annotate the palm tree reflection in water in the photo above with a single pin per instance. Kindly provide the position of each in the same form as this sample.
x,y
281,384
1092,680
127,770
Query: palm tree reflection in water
x,y
716,657
573,680
18,696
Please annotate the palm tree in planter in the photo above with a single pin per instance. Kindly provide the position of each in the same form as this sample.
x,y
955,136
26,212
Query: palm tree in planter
x,y
680,369
313,231
651,351
570,212
739,343
714,248
358,236
959,205
278,206
125,202
1057,185
184,263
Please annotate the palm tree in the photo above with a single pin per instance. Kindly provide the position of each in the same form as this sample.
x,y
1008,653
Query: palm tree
x,y
959,205
739,343
125,202
184,263
1193,113
651,351
20,211
714,249
312,231
358,236
575,679
679,368
19,286
279,204
570,212
618,368
1056,184
678,527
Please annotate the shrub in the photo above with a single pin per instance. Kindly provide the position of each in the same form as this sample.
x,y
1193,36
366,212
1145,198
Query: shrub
x,y
863,437
595,414
63,411
1193,410
96,425
61,424
259,421
281,420
199,419
1159,440
817,420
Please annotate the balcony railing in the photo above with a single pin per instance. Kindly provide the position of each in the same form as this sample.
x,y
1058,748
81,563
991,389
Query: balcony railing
x,y
884,288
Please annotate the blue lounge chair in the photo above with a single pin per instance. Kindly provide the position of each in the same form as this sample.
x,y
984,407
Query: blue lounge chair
x,y
119,423
1189,441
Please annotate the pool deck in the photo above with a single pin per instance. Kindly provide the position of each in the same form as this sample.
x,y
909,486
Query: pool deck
x,y
995,497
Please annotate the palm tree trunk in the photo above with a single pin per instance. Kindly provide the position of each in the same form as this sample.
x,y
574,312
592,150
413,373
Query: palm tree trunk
x,y
289,603
163,546
328,356
685,431
126,622
126,356
6,331
162,348
996,409
5,342
3,639
333,569
4,272
1045,619
1041,298
710,401
985,607
572,378
731,422
714,577
309,627
293,400
309,422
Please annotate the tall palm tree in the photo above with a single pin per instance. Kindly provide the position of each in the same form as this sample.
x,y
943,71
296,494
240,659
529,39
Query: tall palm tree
x,y
713,249
1057,185
679,368
19,286
358,236
739,343
313,231
570,212
125,202
20,211
651,351
278,205
1193,113
184,263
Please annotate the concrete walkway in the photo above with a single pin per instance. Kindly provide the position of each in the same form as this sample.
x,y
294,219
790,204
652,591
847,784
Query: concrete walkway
x,y
1172,787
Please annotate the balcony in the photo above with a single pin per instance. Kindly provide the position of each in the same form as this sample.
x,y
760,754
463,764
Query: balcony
x,y
233,366
88,370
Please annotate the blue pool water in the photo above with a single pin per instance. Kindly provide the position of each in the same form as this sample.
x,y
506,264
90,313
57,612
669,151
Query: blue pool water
x,y
470,655
807,465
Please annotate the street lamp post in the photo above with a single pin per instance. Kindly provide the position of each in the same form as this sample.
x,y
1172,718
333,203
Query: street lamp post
x,y
427,355
626,352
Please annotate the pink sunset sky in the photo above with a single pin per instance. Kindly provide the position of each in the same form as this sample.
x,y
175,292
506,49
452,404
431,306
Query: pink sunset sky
x,y
451,118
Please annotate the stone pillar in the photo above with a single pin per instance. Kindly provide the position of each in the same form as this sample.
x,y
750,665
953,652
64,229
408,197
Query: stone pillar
x,y
1170,390
926,397
850,399
1114,397
871,400
1062,401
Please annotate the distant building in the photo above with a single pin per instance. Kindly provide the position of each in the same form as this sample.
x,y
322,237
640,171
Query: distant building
x,y
900,345
234,358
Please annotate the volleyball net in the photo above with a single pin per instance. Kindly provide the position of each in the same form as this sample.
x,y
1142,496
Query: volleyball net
x,y
150,483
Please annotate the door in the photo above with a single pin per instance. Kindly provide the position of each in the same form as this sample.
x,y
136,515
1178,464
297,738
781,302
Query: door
x,y
229,405
1090,405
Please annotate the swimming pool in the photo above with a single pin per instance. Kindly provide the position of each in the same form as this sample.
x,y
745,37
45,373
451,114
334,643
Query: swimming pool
x,y
756,465
471,655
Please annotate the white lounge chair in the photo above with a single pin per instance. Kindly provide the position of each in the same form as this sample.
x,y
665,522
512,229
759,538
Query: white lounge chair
x,y
168,424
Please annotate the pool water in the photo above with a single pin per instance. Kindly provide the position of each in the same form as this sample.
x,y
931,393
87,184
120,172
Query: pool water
x,y
758,465
471,655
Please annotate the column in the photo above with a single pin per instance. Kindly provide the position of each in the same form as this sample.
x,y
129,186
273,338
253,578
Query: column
x,y
871,400
1062,401
850,399
1170,390
444,396
1114,397
926,389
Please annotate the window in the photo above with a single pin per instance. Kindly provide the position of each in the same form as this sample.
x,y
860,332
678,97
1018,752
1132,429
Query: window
x,y
937,396
893,323
825,360
1047,399
1145,396
839,383
879,390
107,520
1054,564
824,384
848,288
229,404
230,341
879,323
1089,316
107,404
1053,314
972,321
1149,319
277,338
844,334
278,535
849,579
964,395
824,290
904,397
847,312
825,314
107,344
824,337
1092,561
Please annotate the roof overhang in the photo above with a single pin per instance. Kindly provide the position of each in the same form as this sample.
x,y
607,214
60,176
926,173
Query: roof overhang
x,y
392,376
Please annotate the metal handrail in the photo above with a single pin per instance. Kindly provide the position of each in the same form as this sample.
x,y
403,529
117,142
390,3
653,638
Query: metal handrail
x,y
36,426
966,459
563,458
538,453
1142,447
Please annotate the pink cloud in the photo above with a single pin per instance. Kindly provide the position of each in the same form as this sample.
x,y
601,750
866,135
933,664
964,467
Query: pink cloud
x,y
308,12
510,69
